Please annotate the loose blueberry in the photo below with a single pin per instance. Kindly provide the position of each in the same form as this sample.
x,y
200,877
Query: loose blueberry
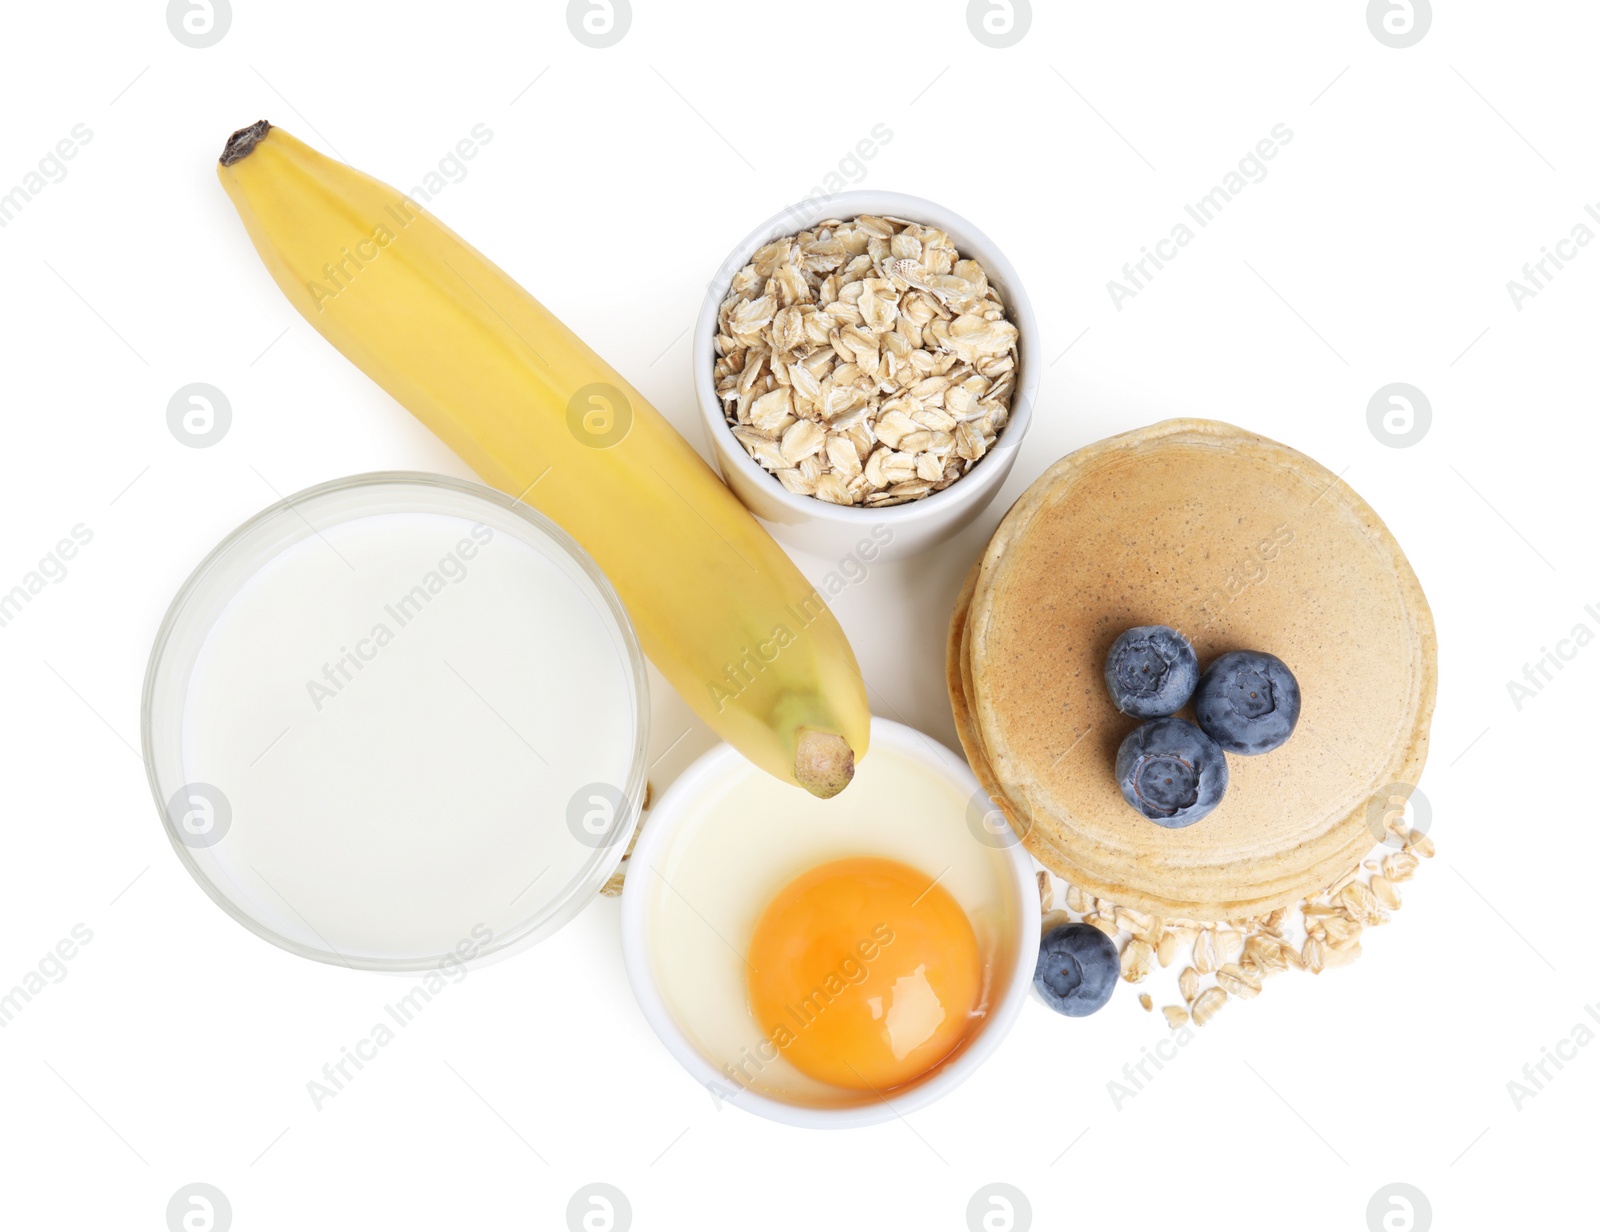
x,y
1151,671
1172,772
1248,702
1077,971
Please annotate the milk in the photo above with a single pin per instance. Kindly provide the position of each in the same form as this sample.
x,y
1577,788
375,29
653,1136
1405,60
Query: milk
x,y
400,709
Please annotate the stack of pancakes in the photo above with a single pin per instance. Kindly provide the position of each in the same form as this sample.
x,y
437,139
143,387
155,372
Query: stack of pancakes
x,y
1239,543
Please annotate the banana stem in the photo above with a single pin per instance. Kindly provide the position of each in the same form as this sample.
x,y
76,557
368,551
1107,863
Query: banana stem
x,y
242,142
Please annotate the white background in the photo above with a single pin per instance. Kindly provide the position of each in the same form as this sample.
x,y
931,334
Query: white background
x,y
178,1046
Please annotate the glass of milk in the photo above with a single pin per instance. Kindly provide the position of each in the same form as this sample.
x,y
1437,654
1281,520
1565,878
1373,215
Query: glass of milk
x,y
398,721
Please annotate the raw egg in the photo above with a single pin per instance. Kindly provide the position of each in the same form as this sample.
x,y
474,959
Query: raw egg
x,y
865,973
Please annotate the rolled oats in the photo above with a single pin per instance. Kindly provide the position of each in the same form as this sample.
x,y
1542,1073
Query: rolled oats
x,y
1265,953
1343,956
1361,903
1207,1004
1349,877
871,350
1136,957
1243,952
1339,932
1238,981
1135,922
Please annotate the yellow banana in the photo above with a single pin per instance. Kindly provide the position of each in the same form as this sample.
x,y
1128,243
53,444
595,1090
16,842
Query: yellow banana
x,y
720,609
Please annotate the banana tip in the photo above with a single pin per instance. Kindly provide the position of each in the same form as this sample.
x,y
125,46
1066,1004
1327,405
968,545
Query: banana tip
x,y
824,763
243,141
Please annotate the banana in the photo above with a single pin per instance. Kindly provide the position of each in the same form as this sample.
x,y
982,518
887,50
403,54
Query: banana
x,y
719,608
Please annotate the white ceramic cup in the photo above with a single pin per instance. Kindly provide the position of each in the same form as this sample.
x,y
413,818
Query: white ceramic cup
x,y
1015,953
833,530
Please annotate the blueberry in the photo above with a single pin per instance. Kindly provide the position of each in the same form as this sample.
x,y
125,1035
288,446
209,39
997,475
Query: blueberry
x,y
1077,971
1151,671
1248,702
1172,772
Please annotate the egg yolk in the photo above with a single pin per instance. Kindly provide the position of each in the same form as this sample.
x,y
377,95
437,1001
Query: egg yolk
x,y
864,973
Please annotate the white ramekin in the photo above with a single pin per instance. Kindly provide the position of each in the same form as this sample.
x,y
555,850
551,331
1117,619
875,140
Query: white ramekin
x,y
1018,953
815,526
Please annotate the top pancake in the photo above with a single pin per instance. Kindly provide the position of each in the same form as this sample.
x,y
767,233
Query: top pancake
x,y
1239,543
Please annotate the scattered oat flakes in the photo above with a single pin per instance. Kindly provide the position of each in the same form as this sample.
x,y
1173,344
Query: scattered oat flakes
x,y
1238,982
1177,1016
1207,1004
1343,956
1266,953
1144,1000
1133,921
1339,932
1047,894
1337,886
1394,818
1362,903
1384,891
1244,951
1136,956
